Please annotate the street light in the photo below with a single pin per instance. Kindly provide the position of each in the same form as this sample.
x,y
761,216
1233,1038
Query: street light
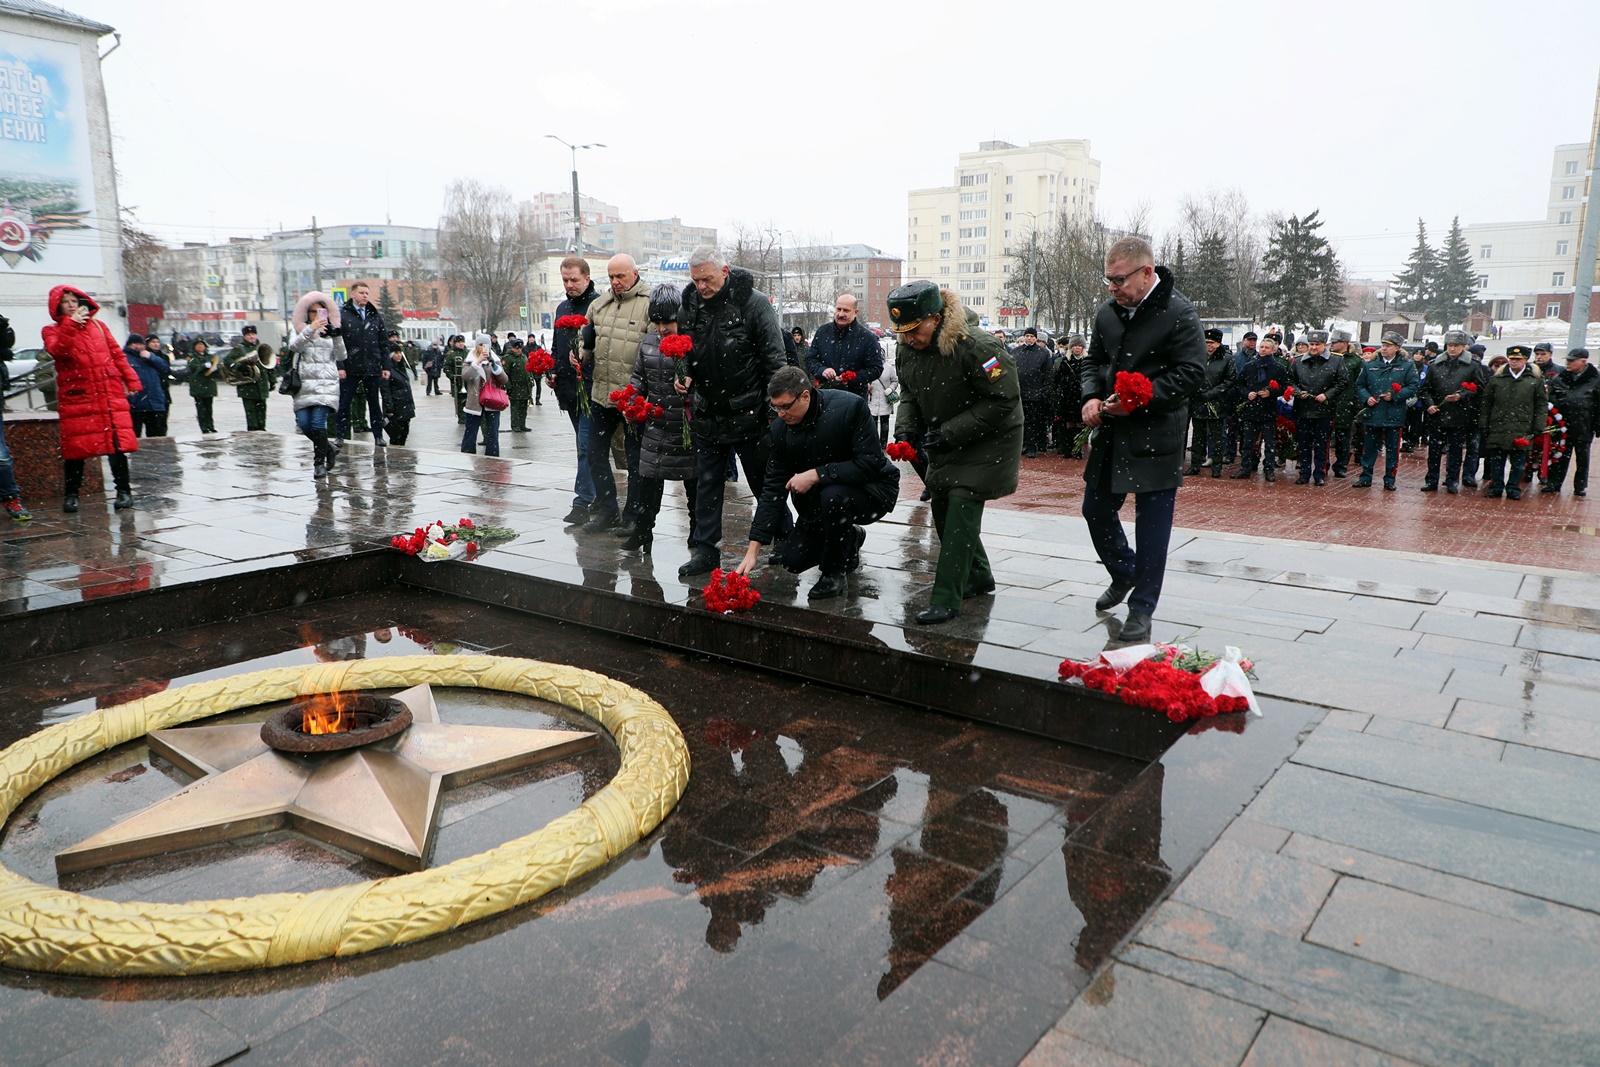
x,y
1033,255
778,236
577,212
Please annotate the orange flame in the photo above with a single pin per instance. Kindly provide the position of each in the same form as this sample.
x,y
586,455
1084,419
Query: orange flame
x,y
329,713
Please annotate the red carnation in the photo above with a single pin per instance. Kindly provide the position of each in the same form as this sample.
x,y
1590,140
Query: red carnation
x,y
472,546
677,345
1133,389
1288,394
1396,386
658,412
1272,385
571,322
1471,387
1521,442
540,362
847,377
465,523
729,591
902,450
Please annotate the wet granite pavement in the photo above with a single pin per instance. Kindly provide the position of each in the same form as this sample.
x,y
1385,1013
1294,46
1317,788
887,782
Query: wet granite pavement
x,y
852,879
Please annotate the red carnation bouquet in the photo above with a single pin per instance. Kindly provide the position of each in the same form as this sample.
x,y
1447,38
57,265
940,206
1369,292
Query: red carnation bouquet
x,y
575,324
1180,682
1521,442
1133,390
904,451
676,347
847,377
634,407
729,591
540,362
436,541
1471,387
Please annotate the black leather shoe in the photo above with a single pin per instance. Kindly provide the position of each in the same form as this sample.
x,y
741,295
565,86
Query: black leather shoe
x,y
1549,489
1492,493
1470,483
1451,488
638,542
1580,492
1216,472
927,494
601,522
1513,494
578,514
1241,474
1430,487
1363,482
1137,629
697,564
625,529
934,614
1271,476
124,500
1303,480
69,503
828,586
1388,483
1191,472
1115,594
978,588
1340,474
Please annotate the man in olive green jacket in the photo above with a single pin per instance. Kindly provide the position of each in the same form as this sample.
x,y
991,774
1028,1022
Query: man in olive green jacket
x,y
251,363
617,322
959,395
203,369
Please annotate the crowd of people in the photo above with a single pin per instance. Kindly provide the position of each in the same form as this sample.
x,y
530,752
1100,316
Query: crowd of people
x,y
702,382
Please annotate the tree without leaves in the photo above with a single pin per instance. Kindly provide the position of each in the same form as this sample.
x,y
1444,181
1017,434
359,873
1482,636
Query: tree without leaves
x,y
1068,273
1455,287
1413,287
145,269
1304,283
485,248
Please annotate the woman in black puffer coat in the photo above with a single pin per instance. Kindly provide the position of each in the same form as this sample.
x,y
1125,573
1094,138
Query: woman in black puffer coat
x,y
662,455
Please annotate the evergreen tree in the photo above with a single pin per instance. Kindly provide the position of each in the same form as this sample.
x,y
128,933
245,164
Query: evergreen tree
x,y
1180,270
1413,287
1209,278
1455,288
388,309
1301,274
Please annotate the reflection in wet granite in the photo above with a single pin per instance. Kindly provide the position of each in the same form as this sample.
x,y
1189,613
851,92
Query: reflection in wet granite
x,y
828,848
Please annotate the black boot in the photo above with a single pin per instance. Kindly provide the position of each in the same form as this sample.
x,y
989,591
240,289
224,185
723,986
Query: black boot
x,y
321,452
639,541
124,499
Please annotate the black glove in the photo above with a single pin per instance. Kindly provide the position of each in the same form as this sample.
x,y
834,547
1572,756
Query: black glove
x,y
911,438
933,441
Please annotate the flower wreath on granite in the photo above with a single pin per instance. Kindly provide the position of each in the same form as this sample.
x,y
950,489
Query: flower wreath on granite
x,y
43,928
1180,682
436,541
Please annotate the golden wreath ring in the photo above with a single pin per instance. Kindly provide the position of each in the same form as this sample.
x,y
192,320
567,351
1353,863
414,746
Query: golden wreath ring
x,y
48,929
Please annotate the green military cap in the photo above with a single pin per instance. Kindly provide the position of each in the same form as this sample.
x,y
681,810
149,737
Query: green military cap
x,y
1518,350
912,302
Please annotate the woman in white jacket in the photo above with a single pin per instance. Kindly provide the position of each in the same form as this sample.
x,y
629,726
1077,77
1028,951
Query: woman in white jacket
x,y
482,365
318,350
879,394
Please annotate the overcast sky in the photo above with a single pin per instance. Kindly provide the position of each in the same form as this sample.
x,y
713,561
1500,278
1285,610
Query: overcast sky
x,y
816,118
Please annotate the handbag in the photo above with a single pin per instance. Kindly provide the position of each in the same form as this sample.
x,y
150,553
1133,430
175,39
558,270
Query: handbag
x,y
492,397
289,384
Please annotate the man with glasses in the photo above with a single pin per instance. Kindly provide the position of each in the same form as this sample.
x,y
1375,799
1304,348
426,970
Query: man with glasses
x,y
1148,328
825,456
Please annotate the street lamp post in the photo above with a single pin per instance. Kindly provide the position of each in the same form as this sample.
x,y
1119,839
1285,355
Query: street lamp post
x,y
577,211
1033,256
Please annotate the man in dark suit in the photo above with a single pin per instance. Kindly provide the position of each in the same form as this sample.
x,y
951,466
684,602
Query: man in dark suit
x,y
1148,328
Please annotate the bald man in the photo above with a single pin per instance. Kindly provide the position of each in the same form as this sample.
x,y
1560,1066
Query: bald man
x,y
617,321
845,346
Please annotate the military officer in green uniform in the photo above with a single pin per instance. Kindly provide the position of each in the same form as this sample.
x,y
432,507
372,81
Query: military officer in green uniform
x,y
961,405
520,387
249,366
454,360
202,378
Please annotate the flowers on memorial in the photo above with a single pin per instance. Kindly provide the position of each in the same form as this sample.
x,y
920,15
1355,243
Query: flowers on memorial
x,y
1133,390
729,591
904,451
1181,682
540,362
436,541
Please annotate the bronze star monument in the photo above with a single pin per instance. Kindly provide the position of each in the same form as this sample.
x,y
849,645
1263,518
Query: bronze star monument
x,y
380,800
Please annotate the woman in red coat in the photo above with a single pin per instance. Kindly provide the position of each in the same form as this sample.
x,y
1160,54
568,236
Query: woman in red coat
x,y
93,383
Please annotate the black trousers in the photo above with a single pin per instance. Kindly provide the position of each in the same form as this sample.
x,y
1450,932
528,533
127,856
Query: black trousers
x,y
203,414
1208,439
1311,439
347,391
1496,459
650,490
822,527
1146,565
72,474
1447,447
149,423
1577,456
1258,441
1035,424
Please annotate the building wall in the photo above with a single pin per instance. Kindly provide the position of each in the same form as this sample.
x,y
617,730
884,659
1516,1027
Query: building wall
x,y
653,239
1526,270
25,282
551,214
963,235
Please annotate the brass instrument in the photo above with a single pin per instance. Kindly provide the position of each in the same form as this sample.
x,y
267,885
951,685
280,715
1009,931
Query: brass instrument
x,y
247,368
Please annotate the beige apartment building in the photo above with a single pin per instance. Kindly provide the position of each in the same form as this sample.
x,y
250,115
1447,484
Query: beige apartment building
x,y
1528,270
964,235
652,240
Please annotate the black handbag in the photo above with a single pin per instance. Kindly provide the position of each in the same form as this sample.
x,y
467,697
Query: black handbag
x,y
289,384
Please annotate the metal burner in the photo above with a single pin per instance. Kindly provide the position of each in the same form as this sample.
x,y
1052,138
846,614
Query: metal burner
x,y
363,718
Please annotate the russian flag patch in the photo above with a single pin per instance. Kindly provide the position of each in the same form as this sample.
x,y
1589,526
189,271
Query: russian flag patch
x,y
992,368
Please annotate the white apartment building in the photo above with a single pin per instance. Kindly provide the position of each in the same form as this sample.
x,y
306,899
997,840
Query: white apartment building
x,y
551,214
1526,270
652,239
963,235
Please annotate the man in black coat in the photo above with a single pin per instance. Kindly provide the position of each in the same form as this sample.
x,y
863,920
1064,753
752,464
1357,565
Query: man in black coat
x,y
1449,397
826,457
738,347
1212,406
1318,380
845,346
1576,394
366,361
1033,376
1148,328
1260,382
581,293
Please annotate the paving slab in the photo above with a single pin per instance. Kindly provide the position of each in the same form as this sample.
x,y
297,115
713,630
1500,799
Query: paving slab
x,y
1154,1020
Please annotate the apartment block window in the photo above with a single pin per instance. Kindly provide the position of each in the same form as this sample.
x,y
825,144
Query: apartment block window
x,y
972,301
1565,218
944,235
944,253
964,250
1561,248
966,198
944,220
1572,166
966,231
980,231
969,179
980,198
913,253
1485,251
1483,281
913,238
1558,277
1569,192
1009,198
1010,179
946,270
1552,311
860,267
1528,310
968,216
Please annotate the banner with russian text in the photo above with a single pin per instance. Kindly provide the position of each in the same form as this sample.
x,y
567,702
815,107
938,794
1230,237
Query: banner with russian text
x,y
47,220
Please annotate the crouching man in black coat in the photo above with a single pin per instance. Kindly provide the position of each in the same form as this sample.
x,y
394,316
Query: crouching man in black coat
x,y
825,454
